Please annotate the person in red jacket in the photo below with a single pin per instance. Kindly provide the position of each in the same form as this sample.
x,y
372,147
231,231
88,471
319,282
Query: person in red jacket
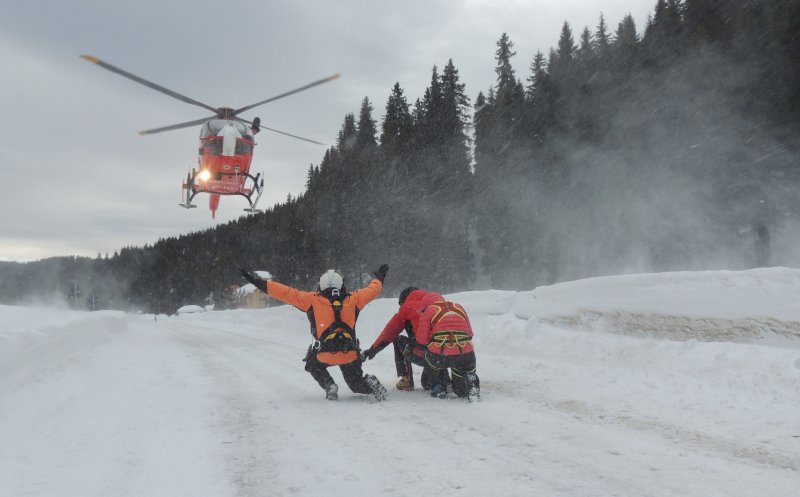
x,y
332,312
445,331
406,349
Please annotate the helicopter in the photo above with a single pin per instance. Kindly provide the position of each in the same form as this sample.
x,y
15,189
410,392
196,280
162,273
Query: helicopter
x,y
226,145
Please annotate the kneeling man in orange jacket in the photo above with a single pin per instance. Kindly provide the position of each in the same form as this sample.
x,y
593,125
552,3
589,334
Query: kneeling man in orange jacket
x,y
332,312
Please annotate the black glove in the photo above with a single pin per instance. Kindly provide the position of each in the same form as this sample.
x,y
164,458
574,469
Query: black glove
x,y
380,274
254,279
368,354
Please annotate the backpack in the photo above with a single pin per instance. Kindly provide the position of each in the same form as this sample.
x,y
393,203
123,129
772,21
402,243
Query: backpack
x,y
338,343
449,338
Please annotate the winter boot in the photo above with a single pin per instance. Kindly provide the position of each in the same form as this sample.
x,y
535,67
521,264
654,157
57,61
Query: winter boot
x,y
439,391
332,392
378,390
406,383
473,387
426,380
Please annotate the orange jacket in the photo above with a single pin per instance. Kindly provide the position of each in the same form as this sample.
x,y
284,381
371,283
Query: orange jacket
x,y
319,308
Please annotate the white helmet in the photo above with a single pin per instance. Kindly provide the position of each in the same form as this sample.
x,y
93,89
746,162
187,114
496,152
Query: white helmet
x,y
331,279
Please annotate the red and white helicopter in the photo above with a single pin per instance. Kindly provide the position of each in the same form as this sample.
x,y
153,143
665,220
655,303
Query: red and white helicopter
x,y
226,146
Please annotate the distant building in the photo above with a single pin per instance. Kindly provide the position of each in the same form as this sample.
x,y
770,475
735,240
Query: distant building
x,y
249,297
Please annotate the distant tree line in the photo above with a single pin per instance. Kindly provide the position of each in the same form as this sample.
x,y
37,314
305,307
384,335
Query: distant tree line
x,y
672,148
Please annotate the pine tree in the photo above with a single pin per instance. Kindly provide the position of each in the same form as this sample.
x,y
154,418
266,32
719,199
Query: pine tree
x,y
397,201
585,54
585,85
539,101
365,136
500,129
625,49
506,79
662,42
509,93
347,135
365,191
485,144
602,41
708,21
454,156
560,67
398,125
454,121
430,110
508,103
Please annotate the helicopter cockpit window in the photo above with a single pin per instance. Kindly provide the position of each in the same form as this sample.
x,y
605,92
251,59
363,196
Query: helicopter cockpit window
x,y
214,145
243,147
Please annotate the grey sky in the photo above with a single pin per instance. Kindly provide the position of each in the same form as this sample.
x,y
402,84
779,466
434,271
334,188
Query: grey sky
x,y
79,180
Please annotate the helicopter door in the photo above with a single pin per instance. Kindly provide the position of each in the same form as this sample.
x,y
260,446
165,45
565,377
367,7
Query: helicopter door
x,y
229,135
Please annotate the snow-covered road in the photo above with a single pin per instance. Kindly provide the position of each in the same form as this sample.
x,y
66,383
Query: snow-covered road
x,y
218,404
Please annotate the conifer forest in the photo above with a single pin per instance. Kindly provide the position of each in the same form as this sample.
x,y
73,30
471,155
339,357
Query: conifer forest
x,y
664,147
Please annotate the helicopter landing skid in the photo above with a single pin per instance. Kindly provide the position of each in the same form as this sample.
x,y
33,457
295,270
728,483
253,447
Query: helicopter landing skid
x,y
258,188
188,187
187,204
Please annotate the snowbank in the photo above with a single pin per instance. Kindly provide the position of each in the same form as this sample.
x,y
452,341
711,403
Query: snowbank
x,y
582,396
709,305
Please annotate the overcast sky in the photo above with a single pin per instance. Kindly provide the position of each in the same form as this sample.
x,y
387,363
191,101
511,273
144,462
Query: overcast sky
x,y
78,179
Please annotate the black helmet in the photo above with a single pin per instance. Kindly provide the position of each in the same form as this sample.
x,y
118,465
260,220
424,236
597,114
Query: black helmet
x,y
404,294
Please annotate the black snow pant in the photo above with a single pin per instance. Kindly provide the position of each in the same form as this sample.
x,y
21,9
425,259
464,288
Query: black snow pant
x,y
352,373
404,357
462,366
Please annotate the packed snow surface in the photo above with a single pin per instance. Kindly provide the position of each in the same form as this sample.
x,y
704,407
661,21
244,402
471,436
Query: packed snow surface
x,y
672,384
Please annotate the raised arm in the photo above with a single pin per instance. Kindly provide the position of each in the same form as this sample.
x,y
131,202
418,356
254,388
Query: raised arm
x,y
367,294
292,296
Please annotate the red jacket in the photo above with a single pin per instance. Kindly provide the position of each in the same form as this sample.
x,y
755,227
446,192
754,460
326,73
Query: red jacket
x,y
444,327
408,312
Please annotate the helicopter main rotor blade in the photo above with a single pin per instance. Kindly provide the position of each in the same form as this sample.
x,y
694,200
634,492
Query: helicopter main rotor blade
x,y
148,84
292,92
293,136
175,126
261,126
